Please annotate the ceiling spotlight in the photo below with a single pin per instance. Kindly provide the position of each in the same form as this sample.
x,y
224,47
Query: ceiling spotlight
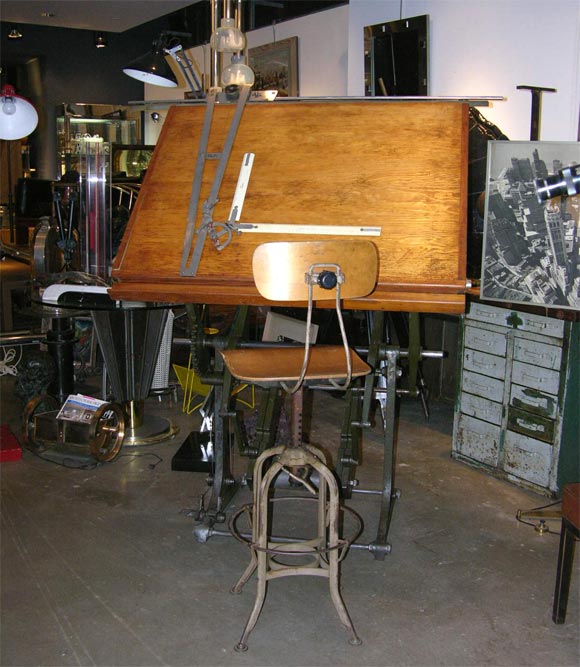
x,y
100,40
14,32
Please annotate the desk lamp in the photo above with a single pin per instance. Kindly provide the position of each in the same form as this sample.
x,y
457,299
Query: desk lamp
x,y
18,118
153,68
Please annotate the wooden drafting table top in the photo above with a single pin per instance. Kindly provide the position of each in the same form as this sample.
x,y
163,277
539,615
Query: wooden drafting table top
x,y
401,166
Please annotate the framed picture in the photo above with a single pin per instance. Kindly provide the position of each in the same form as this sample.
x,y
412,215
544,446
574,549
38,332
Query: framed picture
x,y
530,248
276,66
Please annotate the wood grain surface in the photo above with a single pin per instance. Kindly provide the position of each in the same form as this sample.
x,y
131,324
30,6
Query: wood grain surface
x,y
401,166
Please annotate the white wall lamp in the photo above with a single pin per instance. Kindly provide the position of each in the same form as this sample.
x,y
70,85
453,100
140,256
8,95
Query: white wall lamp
x,y
18,118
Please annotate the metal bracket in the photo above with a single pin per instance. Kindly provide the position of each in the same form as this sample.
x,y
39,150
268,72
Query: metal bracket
x,y
189,267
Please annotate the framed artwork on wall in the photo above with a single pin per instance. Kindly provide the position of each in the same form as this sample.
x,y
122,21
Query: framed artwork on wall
x,y
531,248
275,66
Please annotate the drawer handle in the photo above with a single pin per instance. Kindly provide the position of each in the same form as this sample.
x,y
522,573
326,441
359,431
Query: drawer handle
x,y
480,341
479,364
535,378
487,316
476,385
537,325
537,355
531,426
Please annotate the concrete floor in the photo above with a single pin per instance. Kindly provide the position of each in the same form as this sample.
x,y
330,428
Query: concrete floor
x,y
99,566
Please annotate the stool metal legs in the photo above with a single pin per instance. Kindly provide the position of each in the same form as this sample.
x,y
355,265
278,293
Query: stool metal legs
x,y
324,552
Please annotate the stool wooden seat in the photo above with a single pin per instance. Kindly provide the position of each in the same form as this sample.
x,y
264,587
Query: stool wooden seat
x,y
570,533
301,271
272,365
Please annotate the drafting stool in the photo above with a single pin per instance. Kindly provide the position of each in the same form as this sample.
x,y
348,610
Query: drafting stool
x,y
570,533
300,271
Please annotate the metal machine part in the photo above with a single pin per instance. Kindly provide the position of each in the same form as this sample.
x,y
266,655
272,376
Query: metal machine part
x,y
101,438
227,437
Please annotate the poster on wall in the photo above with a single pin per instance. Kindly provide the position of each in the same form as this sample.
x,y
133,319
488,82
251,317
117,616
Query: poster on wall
x,y
531,248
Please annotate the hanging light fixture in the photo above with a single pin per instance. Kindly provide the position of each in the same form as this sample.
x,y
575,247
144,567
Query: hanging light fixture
x,y
238,73
18,118
14,32
228,38
100,40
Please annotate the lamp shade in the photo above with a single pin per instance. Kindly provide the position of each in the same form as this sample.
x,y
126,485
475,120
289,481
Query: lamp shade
x,y
152,68
18,118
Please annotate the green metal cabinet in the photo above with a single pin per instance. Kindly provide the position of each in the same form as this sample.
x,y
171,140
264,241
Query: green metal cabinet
x,y
516,414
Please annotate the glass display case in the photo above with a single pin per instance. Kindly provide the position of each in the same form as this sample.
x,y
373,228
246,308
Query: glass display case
x,y
101,166
77,124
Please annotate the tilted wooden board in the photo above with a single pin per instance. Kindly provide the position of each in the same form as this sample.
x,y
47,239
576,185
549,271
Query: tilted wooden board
x,y
401,166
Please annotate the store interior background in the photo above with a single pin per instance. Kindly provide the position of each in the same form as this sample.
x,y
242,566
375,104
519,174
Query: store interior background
x,y
477,48
467,583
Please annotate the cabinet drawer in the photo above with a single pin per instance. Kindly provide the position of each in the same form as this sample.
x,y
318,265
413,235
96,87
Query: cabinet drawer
x,y
477,440
485,340
481,408
527,458
536,377
490,314
532,400
474,383
486,364
546,326
530,424
530,352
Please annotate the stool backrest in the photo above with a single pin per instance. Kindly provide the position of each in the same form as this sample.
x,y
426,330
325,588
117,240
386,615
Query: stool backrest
x,y
279,268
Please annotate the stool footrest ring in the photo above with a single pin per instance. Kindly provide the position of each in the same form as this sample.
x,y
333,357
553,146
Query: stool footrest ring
x,y
343,543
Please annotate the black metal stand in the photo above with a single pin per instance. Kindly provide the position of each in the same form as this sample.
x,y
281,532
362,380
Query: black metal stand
x,y
536,108
60,341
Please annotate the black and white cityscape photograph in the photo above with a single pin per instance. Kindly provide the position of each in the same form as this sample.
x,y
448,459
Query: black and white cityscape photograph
x,y
531,249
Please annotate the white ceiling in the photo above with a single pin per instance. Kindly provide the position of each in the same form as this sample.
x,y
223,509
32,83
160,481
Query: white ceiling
x,y
104,15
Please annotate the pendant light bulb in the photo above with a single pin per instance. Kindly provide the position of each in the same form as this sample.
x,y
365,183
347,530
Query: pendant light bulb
x,y
18,118
238,73
8,106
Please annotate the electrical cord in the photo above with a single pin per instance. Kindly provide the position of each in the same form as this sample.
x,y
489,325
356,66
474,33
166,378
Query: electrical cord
x,y
72,463
65,462
151,466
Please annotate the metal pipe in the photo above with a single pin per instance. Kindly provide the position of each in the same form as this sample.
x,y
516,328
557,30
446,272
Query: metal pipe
x,y
239,14
22,338
214,55
282,540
